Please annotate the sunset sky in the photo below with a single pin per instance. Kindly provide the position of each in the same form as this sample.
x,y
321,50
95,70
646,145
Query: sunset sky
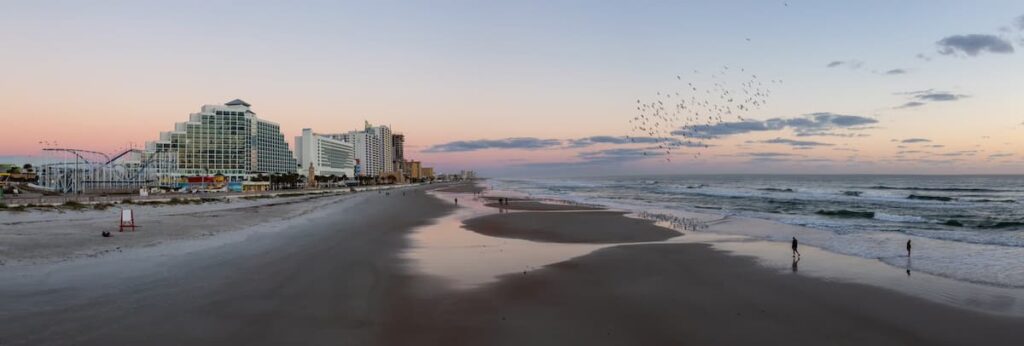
x,y
535,88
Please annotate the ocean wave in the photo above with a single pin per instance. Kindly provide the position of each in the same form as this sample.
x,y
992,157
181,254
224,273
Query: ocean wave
x,y
843,213
985,200
932,198
947,189
775,189
899,218
1002,224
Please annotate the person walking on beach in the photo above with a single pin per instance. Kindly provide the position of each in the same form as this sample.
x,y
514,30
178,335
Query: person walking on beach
x,y
456,200
908,247
796,253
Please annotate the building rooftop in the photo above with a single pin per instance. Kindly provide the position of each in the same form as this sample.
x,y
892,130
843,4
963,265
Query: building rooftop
x,y
238,102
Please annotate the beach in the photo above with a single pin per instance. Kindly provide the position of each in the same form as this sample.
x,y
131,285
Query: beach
x,y
345,270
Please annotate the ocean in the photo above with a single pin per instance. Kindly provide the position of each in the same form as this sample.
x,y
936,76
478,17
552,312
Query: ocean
x,y
969,228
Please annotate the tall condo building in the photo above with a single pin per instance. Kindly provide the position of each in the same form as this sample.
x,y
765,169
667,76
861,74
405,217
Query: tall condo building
x,y
223,139
382,134
327,156
398,152
373,149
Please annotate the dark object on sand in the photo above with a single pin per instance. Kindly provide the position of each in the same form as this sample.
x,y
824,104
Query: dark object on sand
x,y
456,201
106,234
796,244
908,247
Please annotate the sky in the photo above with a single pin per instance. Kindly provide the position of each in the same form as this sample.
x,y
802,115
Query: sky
x,y
538,88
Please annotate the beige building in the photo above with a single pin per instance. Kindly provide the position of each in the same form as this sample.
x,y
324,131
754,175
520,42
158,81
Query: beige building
x,y
412,169
427,172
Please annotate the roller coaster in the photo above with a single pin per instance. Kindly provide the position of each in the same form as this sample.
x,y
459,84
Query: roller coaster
x,y
80,171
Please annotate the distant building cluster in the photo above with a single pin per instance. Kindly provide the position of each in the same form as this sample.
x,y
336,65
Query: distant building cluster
x,y
227,148
231,142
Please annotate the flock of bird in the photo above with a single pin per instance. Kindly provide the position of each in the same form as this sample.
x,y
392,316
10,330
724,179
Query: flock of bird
x,y
679,118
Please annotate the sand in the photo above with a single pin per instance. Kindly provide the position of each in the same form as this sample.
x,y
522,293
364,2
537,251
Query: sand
x,y
321,279
335,276
52,235
570,227
684,294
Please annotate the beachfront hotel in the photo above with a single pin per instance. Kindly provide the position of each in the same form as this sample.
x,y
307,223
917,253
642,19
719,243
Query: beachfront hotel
x,y
228,140
326,156
374,149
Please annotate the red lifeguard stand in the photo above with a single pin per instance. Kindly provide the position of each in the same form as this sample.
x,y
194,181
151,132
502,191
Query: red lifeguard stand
x,y
127,220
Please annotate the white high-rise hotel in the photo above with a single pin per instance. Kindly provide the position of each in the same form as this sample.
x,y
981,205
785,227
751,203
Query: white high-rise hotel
x,y
373,149
327,156
223,139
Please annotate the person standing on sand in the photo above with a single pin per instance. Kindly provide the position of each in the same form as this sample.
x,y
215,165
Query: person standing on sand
x,y
908,247
456,200
796,253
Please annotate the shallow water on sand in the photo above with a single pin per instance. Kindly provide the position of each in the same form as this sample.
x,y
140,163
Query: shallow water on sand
x,y
466,259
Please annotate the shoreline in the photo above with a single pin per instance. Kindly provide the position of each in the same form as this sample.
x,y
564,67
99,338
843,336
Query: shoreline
x,y
738,236
646,293
354,271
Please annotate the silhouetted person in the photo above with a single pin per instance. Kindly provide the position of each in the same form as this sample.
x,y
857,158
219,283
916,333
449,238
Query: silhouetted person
x,y
796,244
908,247
456,200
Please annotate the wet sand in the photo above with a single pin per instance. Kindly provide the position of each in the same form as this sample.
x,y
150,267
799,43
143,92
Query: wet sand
x,y
570,227
684,294
529,205
463,188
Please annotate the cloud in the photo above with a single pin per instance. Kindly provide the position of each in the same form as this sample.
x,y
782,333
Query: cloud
x,y
852,64
619,154
833,134
588,141
940,96
998,155
916,140
768,154
506,143
795,143
601,157
808,123
911,104
923,57
1019,22
896,71
922,97
973,44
